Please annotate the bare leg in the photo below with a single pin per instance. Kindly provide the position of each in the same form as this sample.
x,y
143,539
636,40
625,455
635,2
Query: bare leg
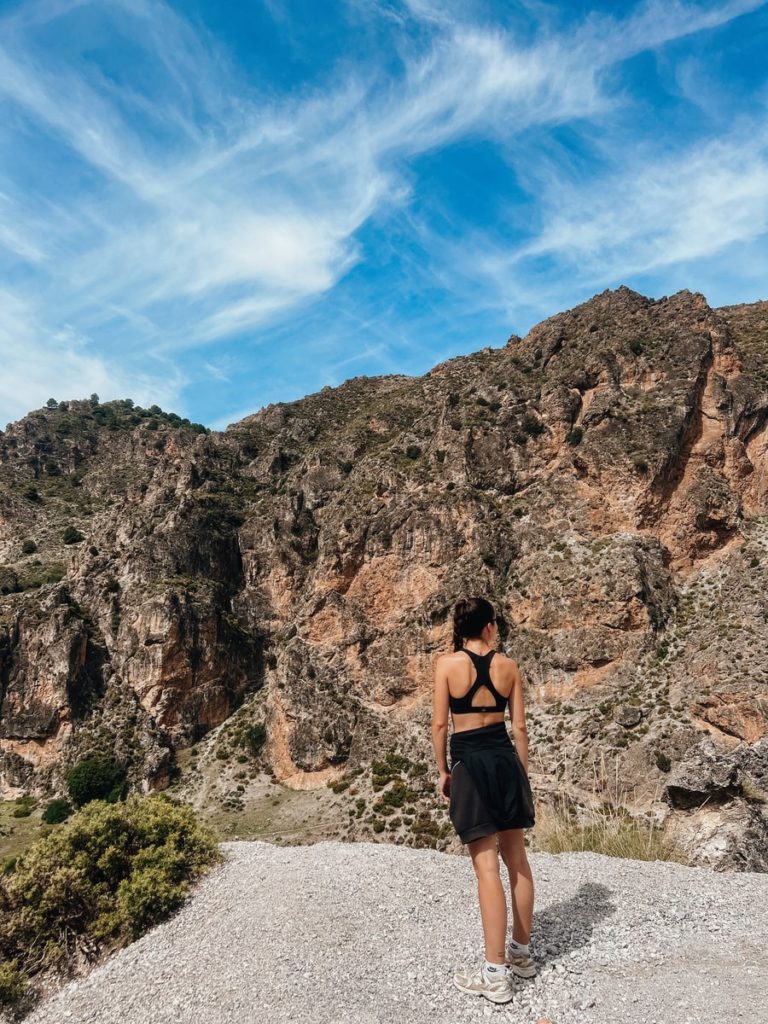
x,y
513,854
490,891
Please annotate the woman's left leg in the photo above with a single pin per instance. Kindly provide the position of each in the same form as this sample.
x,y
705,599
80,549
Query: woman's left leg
x,y
490,891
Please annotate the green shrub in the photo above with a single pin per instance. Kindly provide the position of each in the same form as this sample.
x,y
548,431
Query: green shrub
x,y
106,876
71,535
38,574
56,811
663,763
9,581
12,982
29,547
574,435
95,778
254,738
532,424
32,494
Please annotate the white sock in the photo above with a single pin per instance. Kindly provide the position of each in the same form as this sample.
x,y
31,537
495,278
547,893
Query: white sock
x,y
514,946
494,972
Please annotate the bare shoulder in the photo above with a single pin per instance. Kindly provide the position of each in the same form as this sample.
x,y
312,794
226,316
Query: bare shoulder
x,y
509,665
450,656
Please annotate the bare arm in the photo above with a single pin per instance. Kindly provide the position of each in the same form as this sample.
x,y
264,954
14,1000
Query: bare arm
x,y
517,717
440,721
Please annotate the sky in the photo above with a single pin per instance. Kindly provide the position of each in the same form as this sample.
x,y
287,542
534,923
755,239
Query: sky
x,y
213,207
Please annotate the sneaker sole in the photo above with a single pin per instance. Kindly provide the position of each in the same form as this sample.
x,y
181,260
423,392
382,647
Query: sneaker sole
x,y
523,972
487,995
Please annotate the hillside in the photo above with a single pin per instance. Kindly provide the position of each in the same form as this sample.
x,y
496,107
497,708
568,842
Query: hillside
x,y
604,480
355,934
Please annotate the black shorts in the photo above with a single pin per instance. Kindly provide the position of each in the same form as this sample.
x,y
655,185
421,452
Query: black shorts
x,y
490,791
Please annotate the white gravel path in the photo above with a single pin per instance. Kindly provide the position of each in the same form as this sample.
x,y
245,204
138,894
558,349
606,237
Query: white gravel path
x,y
335,933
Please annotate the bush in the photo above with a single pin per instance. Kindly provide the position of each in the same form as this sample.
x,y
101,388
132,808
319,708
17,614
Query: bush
x,y
574,435
9,581
532,424
71,535
104,878
31,493
663,763
56,811
37,574
29,547
254,738
12,982
95,778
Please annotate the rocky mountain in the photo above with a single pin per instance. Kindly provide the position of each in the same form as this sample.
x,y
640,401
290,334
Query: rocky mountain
x,y
603,480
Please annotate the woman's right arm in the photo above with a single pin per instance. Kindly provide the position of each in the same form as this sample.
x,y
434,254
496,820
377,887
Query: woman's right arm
x,y
517,716
440,725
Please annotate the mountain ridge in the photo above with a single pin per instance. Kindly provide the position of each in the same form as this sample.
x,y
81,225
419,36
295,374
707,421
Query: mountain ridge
x,y
603,480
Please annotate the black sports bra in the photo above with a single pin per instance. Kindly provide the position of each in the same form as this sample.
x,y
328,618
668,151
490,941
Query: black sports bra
x,y
463,705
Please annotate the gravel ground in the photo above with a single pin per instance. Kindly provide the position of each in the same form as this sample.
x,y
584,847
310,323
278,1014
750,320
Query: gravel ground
x,y
335,933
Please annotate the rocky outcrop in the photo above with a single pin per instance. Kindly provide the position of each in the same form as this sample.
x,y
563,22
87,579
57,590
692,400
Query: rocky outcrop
x,y
604,480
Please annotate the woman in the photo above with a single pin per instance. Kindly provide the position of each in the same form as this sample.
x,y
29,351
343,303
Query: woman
x,y
488,789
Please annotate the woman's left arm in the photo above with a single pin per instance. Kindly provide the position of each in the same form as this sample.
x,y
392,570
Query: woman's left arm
x,y
440,725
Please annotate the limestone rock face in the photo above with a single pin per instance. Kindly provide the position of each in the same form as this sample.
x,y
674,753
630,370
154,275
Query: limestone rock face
x,y
604,480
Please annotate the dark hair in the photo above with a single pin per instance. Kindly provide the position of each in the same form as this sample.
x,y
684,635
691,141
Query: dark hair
x,y
470,616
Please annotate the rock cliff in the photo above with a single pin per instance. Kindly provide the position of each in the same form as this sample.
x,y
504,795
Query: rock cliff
x,y
603,480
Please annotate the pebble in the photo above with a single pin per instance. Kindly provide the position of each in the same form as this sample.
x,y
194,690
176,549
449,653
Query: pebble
x,y
337,933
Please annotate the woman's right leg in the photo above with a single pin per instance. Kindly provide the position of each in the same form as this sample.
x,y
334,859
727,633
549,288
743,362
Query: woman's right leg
x,y
490,891
512,849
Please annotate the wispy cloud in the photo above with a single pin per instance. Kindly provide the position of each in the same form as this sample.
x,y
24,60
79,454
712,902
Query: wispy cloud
x,y
62,364
196,208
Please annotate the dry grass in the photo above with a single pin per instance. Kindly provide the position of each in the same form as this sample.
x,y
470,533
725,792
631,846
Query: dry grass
x,y
601,822
752,793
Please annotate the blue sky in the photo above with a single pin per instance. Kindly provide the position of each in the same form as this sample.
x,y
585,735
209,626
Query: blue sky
x,y
217,206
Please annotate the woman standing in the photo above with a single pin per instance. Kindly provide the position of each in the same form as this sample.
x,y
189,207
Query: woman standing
x,y
488,788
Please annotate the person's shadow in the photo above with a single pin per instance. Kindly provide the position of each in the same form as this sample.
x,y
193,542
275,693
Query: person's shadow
x,y
569,924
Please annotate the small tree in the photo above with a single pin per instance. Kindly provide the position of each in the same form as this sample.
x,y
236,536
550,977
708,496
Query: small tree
x,y
254,738
532,424
96,778
52,403
56,811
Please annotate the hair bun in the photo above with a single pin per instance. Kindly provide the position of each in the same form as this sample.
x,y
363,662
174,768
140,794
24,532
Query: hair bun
x,y
470,616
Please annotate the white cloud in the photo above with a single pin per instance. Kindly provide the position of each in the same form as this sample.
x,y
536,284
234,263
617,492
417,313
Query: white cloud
x,y
38,365
203,210
647,215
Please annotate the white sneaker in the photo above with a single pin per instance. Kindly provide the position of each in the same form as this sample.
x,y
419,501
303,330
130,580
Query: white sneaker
x,y
476,984
520,964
